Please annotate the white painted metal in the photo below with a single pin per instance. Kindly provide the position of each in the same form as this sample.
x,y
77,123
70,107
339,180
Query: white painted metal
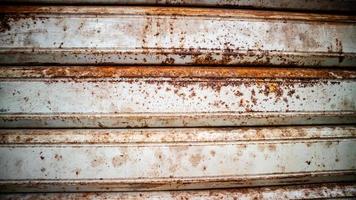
x,y
152,159
168,102
149,35
158,96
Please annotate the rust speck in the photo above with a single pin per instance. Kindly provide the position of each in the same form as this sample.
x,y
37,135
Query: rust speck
x,y
41,156
212,153
168,61
58,157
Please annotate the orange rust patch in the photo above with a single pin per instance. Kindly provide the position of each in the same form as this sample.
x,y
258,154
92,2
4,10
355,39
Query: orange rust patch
x,y
173,72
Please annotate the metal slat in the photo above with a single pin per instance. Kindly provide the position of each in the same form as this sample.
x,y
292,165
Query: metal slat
x,y
315,5
314,191
156,35
165,159
174,96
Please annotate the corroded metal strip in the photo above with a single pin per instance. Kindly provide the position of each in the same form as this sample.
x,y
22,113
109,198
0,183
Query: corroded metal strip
x,y
193,159
319,5
125,97
312,191
172,183
177,12
149,35
217,72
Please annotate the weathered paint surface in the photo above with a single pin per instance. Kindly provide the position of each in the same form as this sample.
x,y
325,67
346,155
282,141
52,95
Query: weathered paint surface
x,y
320,5
319,191
156,35
154,159
167,97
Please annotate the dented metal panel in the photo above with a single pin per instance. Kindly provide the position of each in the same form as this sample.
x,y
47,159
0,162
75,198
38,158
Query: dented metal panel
x,y
318,5
312,191
174,96
161,159
158,35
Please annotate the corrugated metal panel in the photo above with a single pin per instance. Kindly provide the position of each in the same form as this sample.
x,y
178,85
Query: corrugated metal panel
x,y
324,191
156,35
174,96
315,5
48,79
157,159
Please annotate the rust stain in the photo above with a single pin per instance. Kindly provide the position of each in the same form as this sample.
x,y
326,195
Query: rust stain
x,y
272,147
195,159
174,72
212,153
119,160
97,161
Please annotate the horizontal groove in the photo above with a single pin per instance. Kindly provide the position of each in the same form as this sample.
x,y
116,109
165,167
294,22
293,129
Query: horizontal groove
x,y
195,178
329,190
63,145
186,56
162,51
176,183
172,120
197,136
178,114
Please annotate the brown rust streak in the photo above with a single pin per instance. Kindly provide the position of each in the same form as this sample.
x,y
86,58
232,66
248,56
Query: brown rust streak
x,y
182,183
172,72
176,11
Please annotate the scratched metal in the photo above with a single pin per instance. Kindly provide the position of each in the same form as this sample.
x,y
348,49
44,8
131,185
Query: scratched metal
x,y
174,96
319,5
157,159
313,191
164,35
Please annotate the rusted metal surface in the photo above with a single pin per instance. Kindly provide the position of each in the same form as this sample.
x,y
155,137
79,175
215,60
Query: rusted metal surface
x,y
313,191
158,35
315,5
166,159
174,96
